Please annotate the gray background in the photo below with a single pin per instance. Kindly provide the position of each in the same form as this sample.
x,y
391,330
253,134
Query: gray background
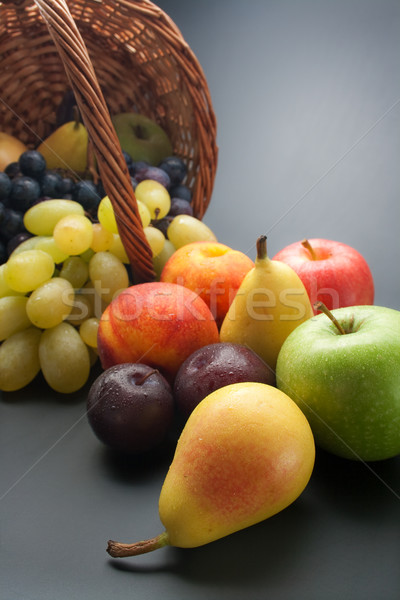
x,y
307,97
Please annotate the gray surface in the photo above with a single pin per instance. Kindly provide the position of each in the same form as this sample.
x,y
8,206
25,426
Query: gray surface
x,y
307,97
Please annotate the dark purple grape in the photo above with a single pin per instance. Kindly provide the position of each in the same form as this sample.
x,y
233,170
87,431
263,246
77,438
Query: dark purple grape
x,y
2,211
15,241
12,170
134,182
130,408
86,193
180,207
181,191
24,192
214,366
51,184
155,174
32,164
137,167
162,224
175,167
5,186
12,223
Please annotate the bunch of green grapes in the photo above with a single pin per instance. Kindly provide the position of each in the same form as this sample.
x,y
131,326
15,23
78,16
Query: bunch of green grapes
x,y
56,284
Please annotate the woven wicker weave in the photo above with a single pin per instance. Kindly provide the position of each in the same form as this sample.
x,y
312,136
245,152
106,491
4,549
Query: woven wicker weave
x,y
117,56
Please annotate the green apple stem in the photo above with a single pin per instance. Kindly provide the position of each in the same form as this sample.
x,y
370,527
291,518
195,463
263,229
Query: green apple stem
x,y
321,306
306,244
261,246
120,550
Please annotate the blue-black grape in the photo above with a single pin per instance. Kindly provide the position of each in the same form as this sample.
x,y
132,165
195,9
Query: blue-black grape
x,y
5,185
32,163
51,184
16,240
86,193
181,191
175,167
24,192
12,170
12,223
3,253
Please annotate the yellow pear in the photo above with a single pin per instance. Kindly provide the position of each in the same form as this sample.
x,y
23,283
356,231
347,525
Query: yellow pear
x,y
11,149
67,147
270,303
245,453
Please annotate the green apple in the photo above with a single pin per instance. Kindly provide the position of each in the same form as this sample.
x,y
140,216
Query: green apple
x,y
142,138
346,379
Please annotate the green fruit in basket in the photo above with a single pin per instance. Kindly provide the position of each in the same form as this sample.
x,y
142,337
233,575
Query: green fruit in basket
x,y
66,147
141,137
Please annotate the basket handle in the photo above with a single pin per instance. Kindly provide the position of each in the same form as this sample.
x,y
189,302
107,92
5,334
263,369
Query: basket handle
x,y
111,163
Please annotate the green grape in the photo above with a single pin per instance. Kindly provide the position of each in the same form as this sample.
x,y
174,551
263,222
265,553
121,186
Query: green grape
x,y
106,216
155,238
117,248
160,260
87,255
102,238
73,234
19,359
41,218
27,270
5,289
155,196
88,331
144,213
82,309
76,271
108,275
51,303
64,358
185,229
13,315
47,244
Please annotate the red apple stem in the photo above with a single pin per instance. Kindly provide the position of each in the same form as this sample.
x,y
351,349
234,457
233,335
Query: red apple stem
x,y
321,306
120,550
261,246
306,244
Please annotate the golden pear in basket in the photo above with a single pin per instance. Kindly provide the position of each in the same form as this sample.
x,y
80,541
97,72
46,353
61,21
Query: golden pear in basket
x,y
270,303
142,138
67,147
245,453
11,149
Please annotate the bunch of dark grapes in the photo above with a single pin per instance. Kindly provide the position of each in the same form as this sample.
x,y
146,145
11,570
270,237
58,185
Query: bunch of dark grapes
x,y
28,181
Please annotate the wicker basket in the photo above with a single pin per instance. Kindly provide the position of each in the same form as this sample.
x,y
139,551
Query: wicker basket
x,y
116,55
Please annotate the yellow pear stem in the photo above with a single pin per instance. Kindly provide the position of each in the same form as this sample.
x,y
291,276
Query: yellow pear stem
x,y
261,246
321,306
120,550
77,117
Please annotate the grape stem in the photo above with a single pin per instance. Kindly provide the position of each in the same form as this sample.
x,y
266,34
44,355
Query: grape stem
x,y
120,550
321,306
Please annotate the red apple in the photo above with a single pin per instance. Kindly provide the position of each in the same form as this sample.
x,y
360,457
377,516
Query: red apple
x,y
212,270
159,324
333,273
